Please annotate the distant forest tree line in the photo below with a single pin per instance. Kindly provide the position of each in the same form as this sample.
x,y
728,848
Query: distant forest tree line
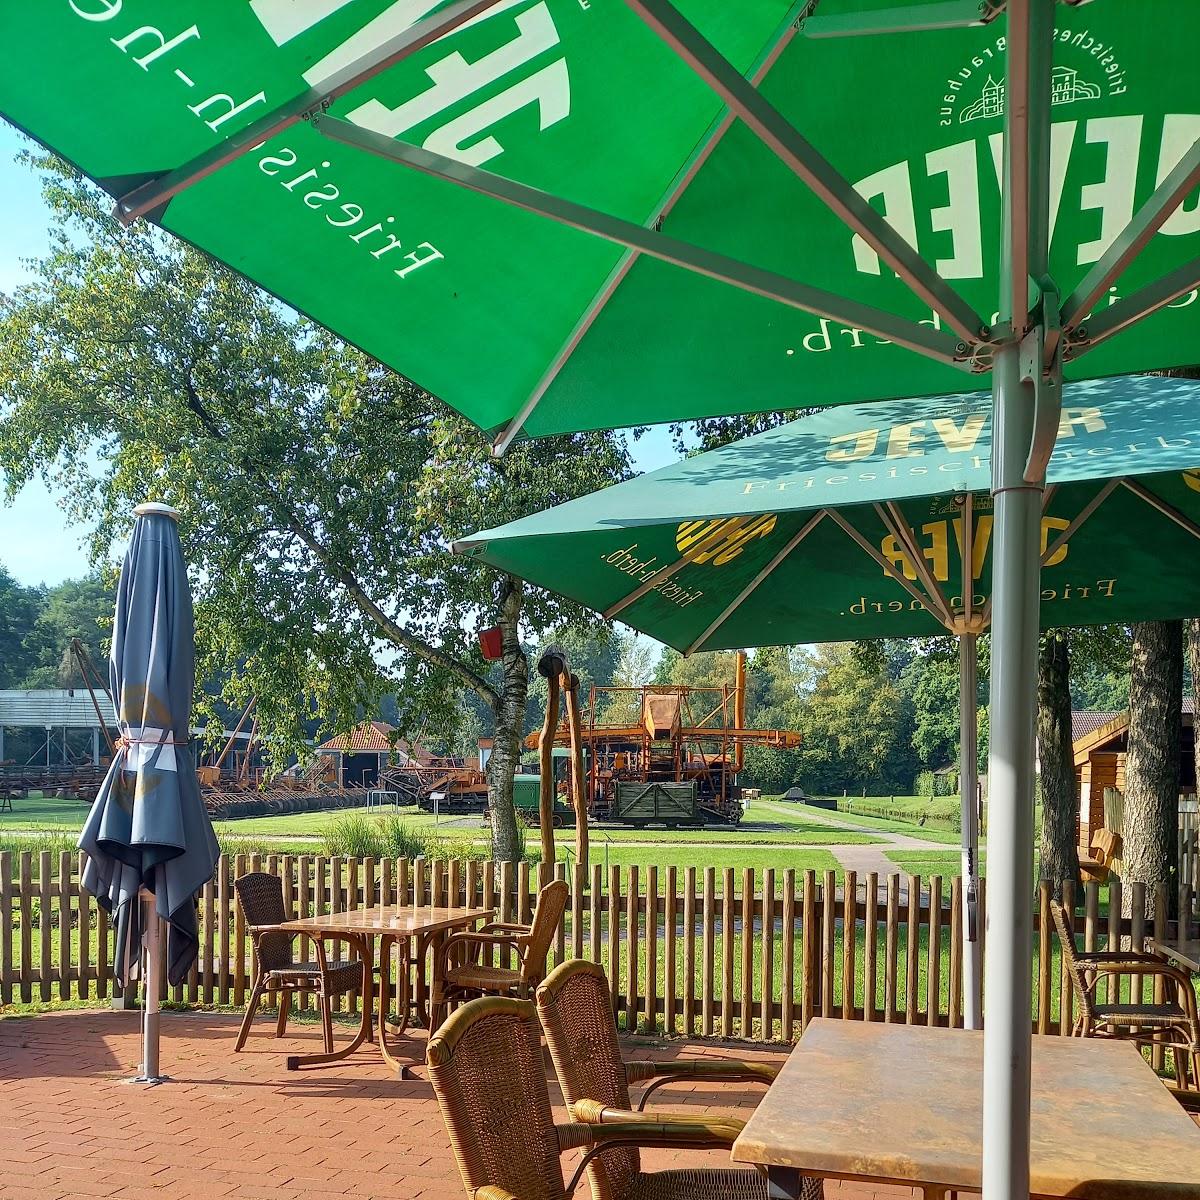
x,y
873,715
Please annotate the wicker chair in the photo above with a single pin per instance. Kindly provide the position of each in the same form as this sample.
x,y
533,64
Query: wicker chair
x,y
1171,1022
465,970
260,895
577,1019
485,1064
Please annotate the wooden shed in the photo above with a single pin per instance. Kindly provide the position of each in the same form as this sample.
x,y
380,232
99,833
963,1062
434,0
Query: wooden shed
x,y
1100,741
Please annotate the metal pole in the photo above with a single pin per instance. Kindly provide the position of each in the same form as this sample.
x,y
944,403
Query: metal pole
x,y
968,776
1008,981
1018,380
150,985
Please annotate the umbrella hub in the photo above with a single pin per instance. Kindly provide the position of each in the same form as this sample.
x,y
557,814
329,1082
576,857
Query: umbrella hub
x,y
968,624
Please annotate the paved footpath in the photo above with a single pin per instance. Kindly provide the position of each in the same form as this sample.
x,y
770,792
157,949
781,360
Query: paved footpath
x,y
862,860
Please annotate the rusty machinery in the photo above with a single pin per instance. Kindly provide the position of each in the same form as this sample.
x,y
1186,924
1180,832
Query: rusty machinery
x,y
678,761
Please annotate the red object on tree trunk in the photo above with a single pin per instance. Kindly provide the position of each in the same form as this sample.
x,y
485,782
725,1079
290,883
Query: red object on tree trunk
x,y
491,643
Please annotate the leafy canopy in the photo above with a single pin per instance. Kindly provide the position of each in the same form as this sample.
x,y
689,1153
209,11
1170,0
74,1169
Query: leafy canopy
x,y
318,491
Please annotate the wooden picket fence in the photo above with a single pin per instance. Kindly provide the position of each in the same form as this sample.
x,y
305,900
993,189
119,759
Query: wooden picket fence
x,y
1189,852
693,951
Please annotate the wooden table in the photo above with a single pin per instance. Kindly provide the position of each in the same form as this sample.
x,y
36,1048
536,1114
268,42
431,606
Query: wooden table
x,y
1184,951
413,928
902,1104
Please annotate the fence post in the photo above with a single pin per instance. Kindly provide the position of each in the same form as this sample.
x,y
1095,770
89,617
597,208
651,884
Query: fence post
x,y
808,949
789,954
708,964
727,934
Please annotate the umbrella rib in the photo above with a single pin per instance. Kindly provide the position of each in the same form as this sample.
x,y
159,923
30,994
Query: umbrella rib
x,y
809,165
933,343
887,565
161,188
1168,510
750,588
723,528
910,18
900,529
630,257
1130,242
1083,514
1118,317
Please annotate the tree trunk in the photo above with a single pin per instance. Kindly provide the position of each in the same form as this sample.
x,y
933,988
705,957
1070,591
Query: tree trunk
x,y
508,845
1152,760
1060,804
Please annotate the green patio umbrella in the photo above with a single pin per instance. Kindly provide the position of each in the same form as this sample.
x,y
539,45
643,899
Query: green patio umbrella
x,y
567,214
874,520
740,265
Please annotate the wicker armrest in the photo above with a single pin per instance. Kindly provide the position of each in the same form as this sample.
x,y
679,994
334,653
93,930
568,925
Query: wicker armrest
x,y
637,1070
257,930
1099,957
485,939
634,1129
492,1193
1124,965
719,1132
474,941
503,926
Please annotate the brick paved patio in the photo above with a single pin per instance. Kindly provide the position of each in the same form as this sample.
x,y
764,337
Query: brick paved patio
x,y
232,1125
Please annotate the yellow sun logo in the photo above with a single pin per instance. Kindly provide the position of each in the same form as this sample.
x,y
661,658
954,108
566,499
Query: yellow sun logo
x,y
722,540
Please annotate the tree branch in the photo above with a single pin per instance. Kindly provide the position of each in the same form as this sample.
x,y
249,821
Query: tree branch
x,y
288,517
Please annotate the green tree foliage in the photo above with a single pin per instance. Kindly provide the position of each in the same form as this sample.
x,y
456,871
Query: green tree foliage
x,y
854,725
19,650
37,625
637,660
318,491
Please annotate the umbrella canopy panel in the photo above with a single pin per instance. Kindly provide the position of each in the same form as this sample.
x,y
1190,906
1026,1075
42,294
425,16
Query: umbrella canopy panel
x,y
805,533
525,323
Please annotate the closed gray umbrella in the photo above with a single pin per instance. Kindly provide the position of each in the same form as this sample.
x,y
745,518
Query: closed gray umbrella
x,y
148,831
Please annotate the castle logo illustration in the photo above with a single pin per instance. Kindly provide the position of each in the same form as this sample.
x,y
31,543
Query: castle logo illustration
x,y
1065,88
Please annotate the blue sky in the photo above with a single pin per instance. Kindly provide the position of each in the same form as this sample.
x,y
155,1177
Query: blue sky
x,y
36,543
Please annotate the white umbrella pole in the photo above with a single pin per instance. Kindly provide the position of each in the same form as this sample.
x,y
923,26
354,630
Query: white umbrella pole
x,y
150,992
968,775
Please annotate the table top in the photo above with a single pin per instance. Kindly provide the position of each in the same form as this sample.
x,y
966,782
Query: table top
x,y
1185,951
390,919
903,1103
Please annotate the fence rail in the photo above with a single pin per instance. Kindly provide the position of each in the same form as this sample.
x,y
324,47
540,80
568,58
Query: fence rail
x,y
696,951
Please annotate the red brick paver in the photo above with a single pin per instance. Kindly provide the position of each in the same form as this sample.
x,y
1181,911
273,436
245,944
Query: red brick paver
x,y
237,1125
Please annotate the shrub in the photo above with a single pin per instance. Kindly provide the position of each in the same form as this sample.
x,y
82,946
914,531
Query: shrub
x,y
354,836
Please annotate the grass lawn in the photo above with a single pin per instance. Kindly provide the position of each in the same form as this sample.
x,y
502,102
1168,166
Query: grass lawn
x,y
739,857
897,825
947,863
45,812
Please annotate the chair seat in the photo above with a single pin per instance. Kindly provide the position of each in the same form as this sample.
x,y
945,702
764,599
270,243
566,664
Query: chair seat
x,y
1147,1015
340,976
483,978
711,1184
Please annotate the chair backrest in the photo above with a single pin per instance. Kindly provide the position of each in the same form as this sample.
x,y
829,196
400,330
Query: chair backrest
x,y
575,1009
485,1064
1107,846
1066,937
261,896
551,903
